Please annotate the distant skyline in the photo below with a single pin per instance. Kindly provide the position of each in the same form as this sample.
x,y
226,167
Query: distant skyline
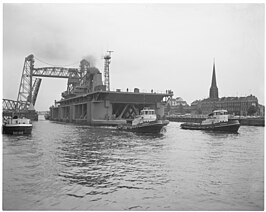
x,y
156,46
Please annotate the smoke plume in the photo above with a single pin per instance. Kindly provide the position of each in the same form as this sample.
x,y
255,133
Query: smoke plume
x,y
91,59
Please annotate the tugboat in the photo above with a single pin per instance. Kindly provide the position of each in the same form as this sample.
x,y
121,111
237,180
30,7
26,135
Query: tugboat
x,y
146,122
216,121
17,126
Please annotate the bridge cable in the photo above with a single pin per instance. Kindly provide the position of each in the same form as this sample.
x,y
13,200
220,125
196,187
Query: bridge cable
x,y
54,64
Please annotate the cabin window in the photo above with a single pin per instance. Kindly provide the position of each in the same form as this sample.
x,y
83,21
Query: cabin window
x,y
147,112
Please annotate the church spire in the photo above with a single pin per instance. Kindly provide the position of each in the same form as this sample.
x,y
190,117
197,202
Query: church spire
x,y
214,88
213,76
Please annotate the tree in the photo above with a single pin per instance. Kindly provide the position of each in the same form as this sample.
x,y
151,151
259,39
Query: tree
x,y
252,110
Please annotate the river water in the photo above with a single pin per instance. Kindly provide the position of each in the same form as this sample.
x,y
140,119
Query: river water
x,y
71,167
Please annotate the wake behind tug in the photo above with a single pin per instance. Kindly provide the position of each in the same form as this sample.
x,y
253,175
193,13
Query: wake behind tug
x,y
216,121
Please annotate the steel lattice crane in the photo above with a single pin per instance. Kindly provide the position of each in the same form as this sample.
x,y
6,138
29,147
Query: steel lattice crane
x,y
107,62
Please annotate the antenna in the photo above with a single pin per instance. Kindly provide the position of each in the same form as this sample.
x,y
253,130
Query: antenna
x,y
107,62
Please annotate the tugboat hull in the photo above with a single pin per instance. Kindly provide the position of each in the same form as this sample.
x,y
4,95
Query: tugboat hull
x,y
17,130
230,126
151,128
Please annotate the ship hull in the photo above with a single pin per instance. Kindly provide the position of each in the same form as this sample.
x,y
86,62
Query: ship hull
x,y
17,129
230,126
151,128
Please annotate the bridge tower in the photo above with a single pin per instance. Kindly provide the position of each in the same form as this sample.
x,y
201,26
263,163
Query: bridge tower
x,y
27,89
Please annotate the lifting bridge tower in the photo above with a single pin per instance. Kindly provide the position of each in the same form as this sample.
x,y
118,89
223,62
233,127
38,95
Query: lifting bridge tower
x,y
29,87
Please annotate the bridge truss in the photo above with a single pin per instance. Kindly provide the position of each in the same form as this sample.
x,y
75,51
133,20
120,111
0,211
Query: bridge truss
x,y
31,81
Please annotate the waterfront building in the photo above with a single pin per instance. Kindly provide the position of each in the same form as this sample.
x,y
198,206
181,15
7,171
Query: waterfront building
x,y
176,106
234,105
195,107
261,110
175,102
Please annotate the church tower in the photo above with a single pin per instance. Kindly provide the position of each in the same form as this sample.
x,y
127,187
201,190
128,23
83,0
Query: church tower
x,y
214,88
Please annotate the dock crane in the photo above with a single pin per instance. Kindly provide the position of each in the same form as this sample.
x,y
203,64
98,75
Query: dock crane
x,y
107,62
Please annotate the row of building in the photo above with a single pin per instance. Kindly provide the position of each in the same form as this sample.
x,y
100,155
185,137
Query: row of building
x,y
234,105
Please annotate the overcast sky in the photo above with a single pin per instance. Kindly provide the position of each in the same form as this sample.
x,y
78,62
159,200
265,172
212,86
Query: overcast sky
x,y
156,46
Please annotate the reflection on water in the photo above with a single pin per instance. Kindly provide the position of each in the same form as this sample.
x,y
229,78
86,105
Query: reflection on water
x,y
70,167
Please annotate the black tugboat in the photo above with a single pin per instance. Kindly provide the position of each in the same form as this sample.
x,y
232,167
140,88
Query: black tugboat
x,y
146,122
216,121
17,126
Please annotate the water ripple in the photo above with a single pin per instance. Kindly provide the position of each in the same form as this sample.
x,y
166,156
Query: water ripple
x,y
98,168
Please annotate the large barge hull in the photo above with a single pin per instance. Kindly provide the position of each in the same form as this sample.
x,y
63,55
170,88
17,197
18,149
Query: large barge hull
x,y
106,107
